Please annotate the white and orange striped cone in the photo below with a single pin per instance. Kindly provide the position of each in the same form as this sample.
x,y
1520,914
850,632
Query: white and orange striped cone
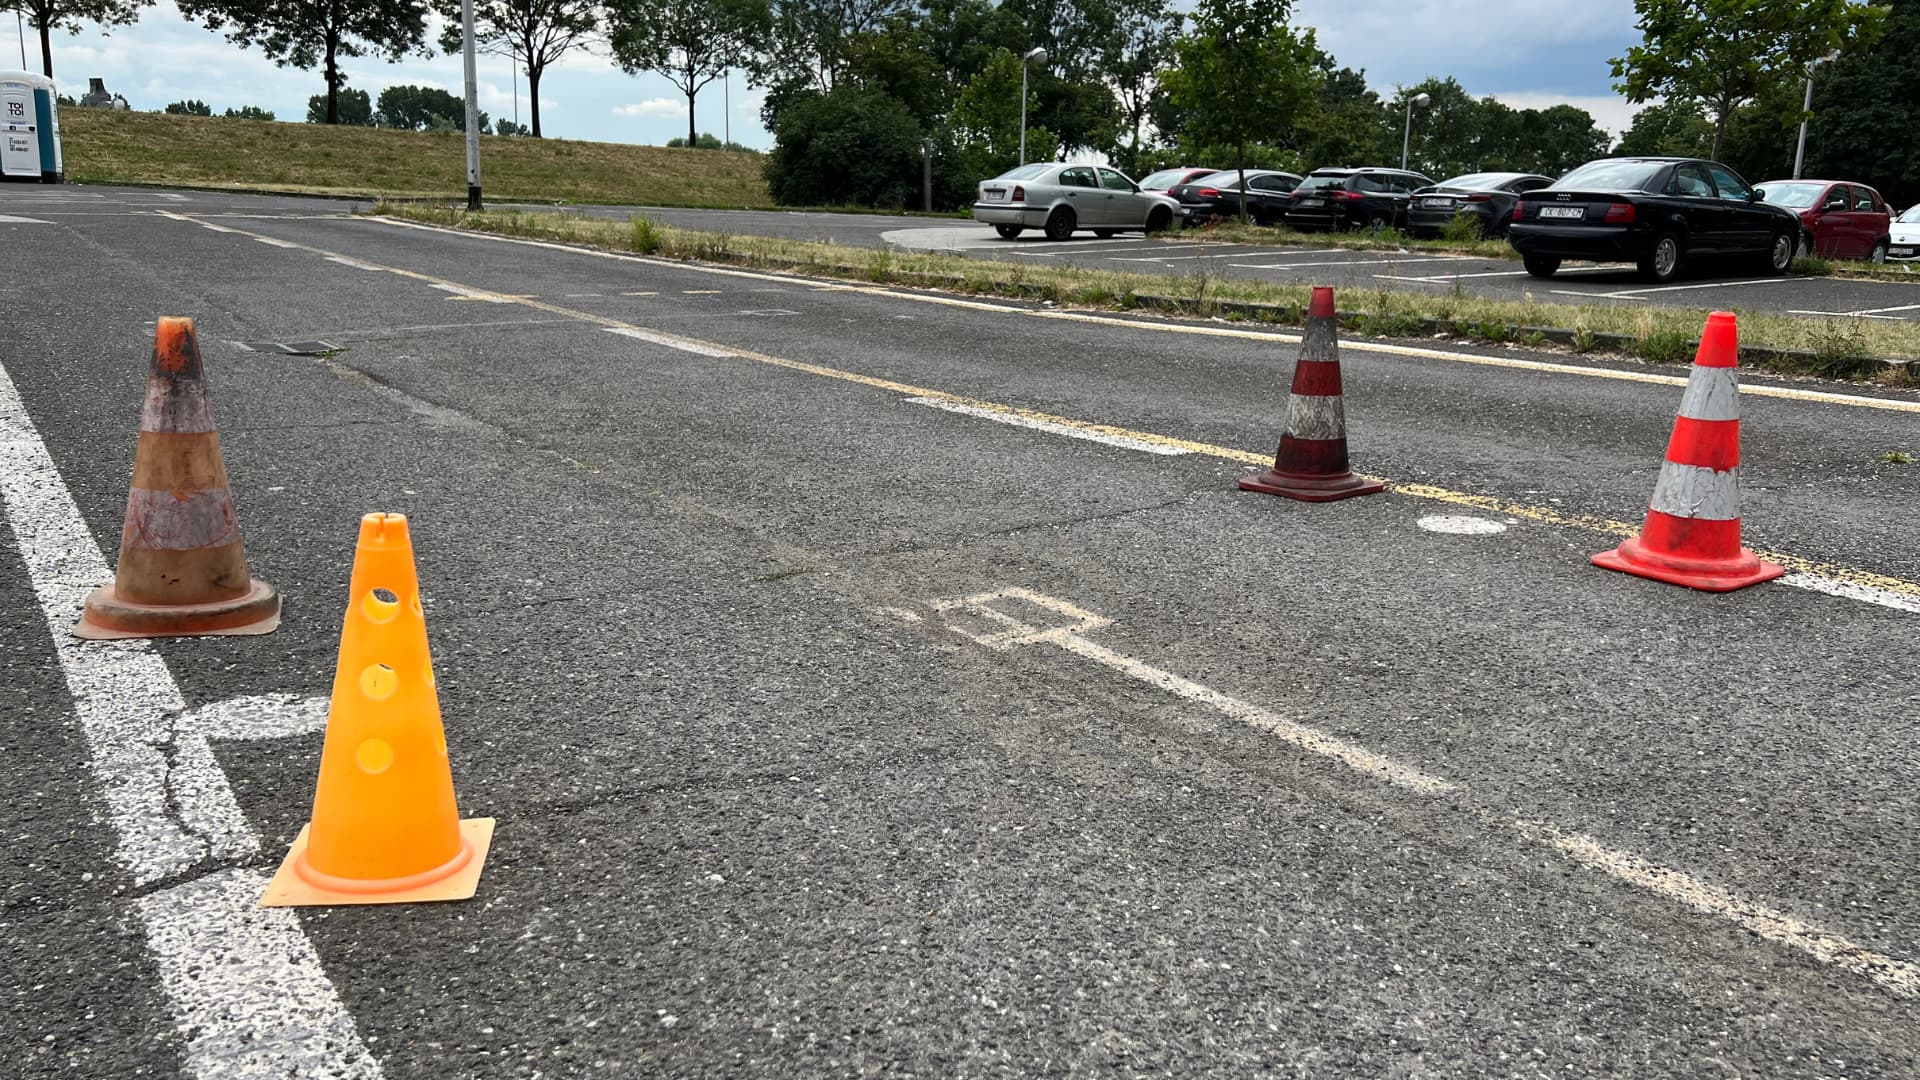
x,y
1692,534
1312,462
183,571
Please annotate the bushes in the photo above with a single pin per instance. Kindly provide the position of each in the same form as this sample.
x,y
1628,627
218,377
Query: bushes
x,y
849,146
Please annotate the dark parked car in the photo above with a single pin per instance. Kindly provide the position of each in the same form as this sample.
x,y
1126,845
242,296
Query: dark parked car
x,y
1656,212
1168,179
1841,220
1353,198
1217,195
1486,197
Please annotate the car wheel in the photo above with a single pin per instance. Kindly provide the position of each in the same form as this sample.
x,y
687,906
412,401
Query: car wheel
x,y
1780,252
1540,266
1159,220
1879,252
1662,264
1060,224
1008,232
1378,221
1106,233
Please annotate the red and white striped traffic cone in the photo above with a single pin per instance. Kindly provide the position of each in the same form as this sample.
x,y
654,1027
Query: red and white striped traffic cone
x,y
1692,534
1312,462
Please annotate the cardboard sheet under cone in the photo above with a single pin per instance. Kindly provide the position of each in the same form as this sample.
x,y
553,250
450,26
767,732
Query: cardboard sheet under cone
x,y
385,828
183,570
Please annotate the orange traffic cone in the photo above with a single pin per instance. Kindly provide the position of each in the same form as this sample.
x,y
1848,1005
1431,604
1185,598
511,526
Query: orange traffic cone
x,y
1312,462
385,829
183,571
1692,534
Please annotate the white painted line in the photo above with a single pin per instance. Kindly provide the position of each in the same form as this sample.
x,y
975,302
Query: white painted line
x,y
1848,315
1898,976
461,292
1017,420
1022,245
1208,255
9,219
355,263
211,227
1313,264
1461,525
1631,293
669,342
1852,591
280,1005
272,242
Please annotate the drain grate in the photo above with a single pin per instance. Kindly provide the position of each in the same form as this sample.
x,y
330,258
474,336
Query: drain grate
x,y
290,348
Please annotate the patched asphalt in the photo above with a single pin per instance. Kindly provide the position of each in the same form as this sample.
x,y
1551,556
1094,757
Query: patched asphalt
x,y
763,808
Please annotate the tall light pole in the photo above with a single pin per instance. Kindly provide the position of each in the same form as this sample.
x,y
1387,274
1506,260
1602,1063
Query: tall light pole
x,y
1034,56
473,107
1806,111
1406,134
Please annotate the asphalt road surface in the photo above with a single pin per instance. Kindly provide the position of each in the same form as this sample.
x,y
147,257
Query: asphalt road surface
x,y
879,683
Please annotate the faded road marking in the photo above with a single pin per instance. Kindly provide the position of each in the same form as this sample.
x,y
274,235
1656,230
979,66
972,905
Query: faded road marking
x,y
1017,420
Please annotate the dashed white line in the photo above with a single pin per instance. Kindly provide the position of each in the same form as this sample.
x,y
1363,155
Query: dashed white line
x,y
670,342
272,242
1018,420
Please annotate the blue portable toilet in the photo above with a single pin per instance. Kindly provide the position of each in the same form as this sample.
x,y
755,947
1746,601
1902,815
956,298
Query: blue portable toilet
x,y
29,128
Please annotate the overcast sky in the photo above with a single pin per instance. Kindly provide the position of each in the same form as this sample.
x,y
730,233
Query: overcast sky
x,y
1527,53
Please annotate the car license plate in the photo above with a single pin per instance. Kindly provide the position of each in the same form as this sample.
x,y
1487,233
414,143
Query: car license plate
x,y
1900,251
1441,202
1574,212
1313,202
993,194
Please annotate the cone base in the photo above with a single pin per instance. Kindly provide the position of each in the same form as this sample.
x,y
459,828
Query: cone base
x,y
107,617
1709,575
1311,488
289,889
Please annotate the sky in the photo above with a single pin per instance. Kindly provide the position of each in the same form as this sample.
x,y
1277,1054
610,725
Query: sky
x,y
1527,53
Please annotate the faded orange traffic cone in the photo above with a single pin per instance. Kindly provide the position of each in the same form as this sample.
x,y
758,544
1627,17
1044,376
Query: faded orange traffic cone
x,y
1311,464
385,829
183,571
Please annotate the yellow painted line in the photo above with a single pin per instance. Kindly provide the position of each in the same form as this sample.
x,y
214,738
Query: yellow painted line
x,y
1786,393
1490,504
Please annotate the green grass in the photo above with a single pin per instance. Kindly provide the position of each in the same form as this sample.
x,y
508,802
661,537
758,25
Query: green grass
x,y
1831,347
105,147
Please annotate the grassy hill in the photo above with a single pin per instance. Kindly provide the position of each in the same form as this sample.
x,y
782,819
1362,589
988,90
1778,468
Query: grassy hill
x,y
105,147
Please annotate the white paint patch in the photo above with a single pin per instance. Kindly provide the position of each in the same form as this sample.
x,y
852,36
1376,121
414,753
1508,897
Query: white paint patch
x,y
208,225
356,264
1899,976
9,219
148,759
274,242
670,342
1461,525
1848,590
1017,420
462,293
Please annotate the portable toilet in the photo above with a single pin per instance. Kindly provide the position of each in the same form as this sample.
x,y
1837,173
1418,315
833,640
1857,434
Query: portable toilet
x,y
29,128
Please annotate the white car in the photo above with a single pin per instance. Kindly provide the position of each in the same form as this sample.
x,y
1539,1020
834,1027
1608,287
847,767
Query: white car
x,y
1061,198
1903,241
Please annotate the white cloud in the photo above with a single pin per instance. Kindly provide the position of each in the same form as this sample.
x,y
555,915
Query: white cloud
x,y
652,107
1613,114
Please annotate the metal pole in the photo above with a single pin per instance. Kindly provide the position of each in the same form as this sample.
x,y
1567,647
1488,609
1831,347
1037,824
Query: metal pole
x,y
473,107
926,175
20,27
514,67
1406,135
1023,111
726,108
1806,107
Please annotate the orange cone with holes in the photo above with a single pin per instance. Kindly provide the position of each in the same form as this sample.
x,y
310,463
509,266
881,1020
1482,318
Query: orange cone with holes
x,y
183,571
385,829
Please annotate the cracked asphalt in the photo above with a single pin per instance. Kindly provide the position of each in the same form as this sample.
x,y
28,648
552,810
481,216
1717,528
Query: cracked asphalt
x,y
830,733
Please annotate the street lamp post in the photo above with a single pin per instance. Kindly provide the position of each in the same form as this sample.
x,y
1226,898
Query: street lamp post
x,y
1806,110
1035,56
1406,134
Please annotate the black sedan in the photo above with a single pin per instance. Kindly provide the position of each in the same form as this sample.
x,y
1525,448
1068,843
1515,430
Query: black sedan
x,y
1485,198
1656,212
1218,195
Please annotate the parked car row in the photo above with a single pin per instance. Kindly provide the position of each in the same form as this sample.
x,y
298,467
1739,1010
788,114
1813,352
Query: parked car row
x,y
1660,213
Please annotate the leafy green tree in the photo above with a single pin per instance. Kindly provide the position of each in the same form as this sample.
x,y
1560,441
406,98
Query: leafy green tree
x,y
533,33
349,106
848,146
1240,72
803,44
309,33
1677,128
1723,53
189,107
423,108
1555,140
708,141
1866,111
898,60
1142,44
1343,122
504,126
47,15
690,43
248,112
985,122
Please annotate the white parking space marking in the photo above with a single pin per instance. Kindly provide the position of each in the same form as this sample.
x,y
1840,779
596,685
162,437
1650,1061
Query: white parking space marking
x,y
9,219
989,619
670,342
271,242
355,263
1263,252
1088,249
1851,590
1461,525
1632,293
1018,420
1314,264
278,1007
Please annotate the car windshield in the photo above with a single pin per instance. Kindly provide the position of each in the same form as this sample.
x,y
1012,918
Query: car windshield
x,y
1312,183
1228,178
1798,195
1612,175
1480,181
1163,179
1912,215
1024,172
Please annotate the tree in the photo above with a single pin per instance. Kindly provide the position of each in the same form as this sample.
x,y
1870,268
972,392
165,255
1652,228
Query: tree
x,y
1556,140
423,108
45,15
985,122
849,146
803,43
189,107
350,106
1240,72
1866,111
248,112
1723,53
708,141
305,33
689,42
1672,128
1142,44
534,33
504,126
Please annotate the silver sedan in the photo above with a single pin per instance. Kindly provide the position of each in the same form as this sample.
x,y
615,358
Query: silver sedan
x,y
1061,198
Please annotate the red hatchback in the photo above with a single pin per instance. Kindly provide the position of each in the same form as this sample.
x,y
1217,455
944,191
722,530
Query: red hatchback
x,y
1840,220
